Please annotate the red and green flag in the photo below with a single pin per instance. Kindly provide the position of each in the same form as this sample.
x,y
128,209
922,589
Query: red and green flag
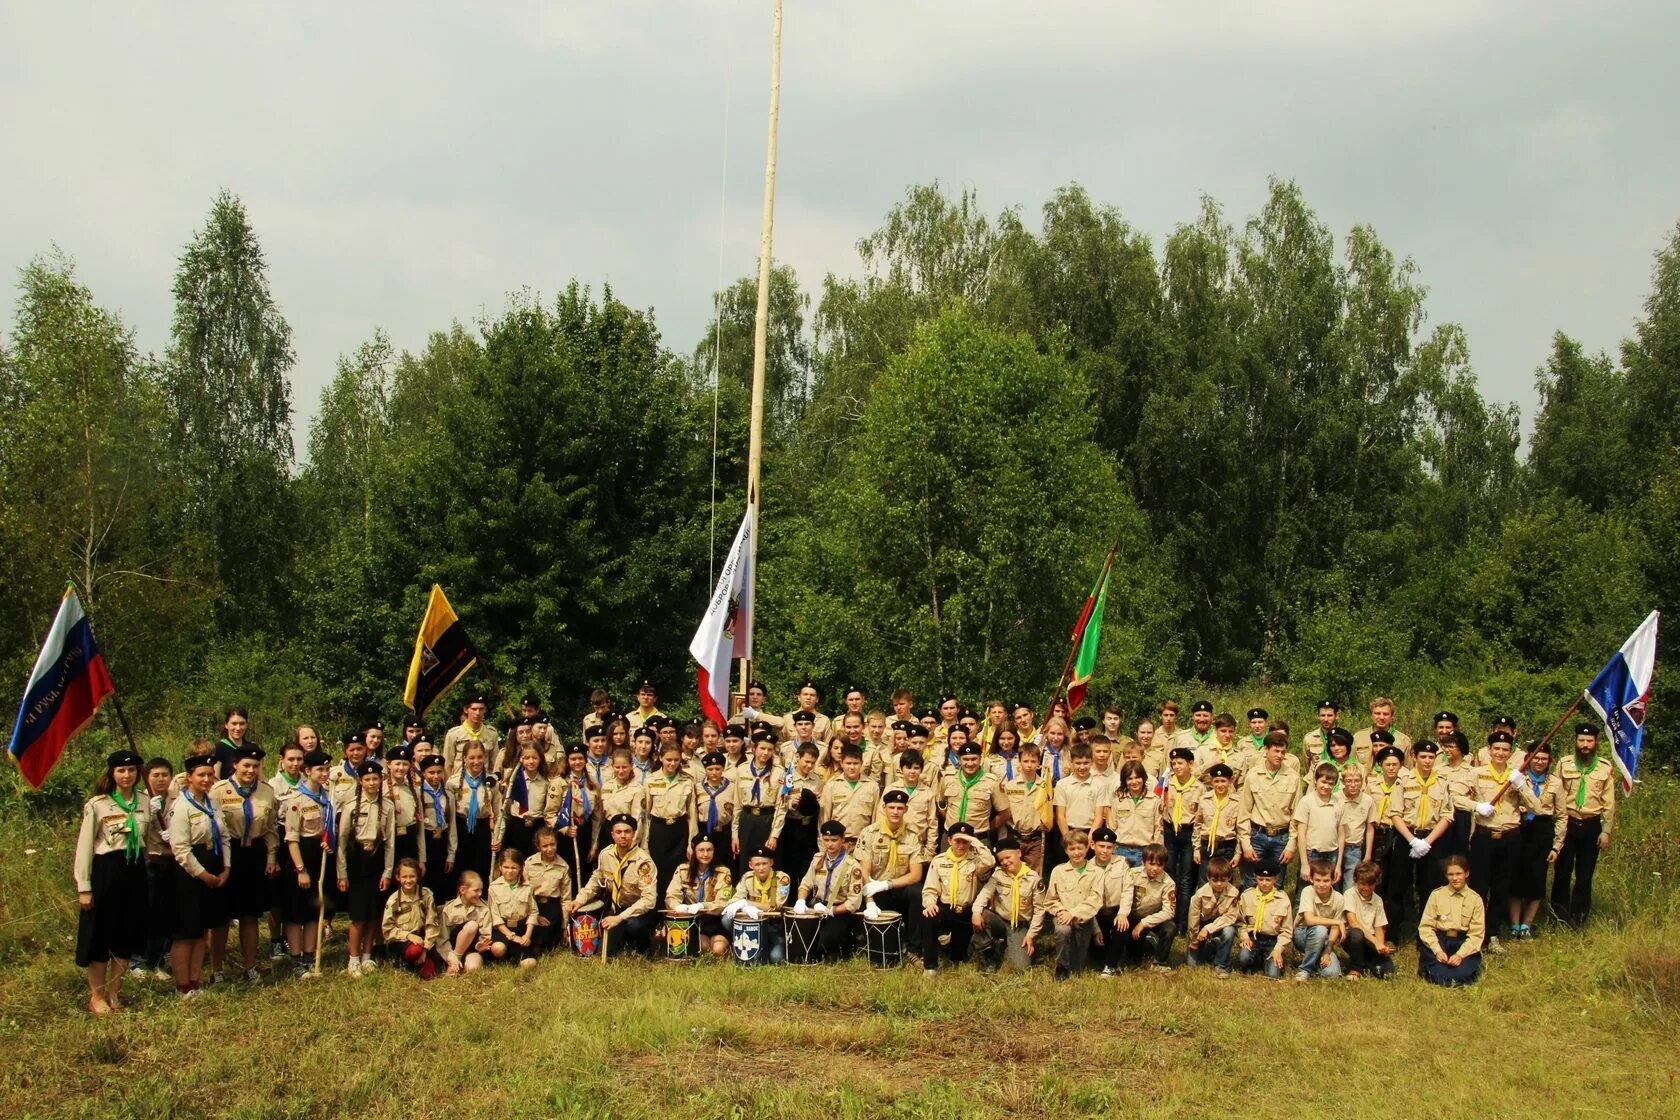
x,y
1086,632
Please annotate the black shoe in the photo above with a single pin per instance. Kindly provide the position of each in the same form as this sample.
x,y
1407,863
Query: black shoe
x,y
1061,973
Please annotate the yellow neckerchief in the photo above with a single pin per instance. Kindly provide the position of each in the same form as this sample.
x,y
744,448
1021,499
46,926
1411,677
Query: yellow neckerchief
x,y
1504,780
763,886
1388,792
1041,801
892,847
1015,895
1178,801
1213,830
618,875
1261,898
956,866
1425,808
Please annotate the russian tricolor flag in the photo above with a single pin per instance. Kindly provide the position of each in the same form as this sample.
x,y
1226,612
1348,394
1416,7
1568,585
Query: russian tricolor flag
x,y
1620,692
64,691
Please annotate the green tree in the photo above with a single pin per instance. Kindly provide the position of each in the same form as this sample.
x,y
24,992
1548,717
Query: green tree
x,y
226,374
727,346
1580,447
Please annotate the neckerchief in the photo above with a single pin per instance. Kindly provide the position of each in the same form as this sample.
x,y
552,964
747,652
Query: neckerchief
x,y
131,843
1581,782
436,796
473,786
711,806
324,802
245,796
215,824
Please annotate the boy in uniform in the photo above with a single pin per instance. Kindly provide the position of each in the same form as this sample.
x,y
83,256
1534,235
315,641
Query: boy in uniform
x,y
1028,798
849,797
1219,748
892,857
948,893
1502,796
1267,924
833,886
1116,898
1147,926
626,880
1179,793
1387,849
1369,950
1077,799
1214,834
1266,812
1318,819
1071,900
1006,911
1422,819
1589,796
1315,744
1214,913
1319,923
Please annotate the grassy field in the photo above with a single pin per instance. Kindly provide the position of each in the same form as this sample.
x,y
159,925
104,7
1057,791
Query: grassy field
x,y
1572,1024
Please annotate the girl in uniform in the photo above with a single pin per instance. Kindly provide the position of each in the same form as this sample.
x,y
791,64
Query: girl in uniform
x,y
574,819
623,795
251,822
550,880
160,869
704,883
110,870
308,828
1136,818
1543,830
477,816
410,921
671,816
641,753
466,926
366,854
404,795
201,860
513,913
437,822
525,808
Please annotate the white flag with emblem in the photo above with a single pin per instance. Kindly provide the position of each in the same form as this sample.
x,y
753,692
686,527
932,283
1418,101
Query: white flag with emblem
x,y
726,631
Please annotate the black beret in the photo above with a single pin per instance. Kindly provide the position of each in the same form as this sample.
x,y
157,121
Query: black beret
x,y
761,853
1382,735
763,735
968,713
402,752
1257,713
918,732
1084,723
1104,835
895,797
194,761
1202,706
1219,770
851,688
1185,753
123,758
904,725
832,828
1007,844
802,716
371,766
1341,735
968,748
812,685
319,757
1268,869
1390,752
621,818
479,698
714,758
374,725
645,685
1331,704
1426,746
430,761
596,731
1504,721
411,723
734,731
961,828
532,699
758,685
250,751
1586,729
1498,737
1445,717
946,698
351,737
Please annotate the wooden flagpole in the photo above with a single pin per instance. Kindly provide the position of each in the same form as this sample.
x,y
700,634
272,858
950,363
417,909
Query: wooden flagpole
x,y
1073,644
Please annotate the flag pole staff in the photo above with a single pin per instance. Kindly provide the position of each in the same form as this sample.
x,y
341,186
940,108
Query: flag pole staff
x,y
116,701
1569,712
1073,643
761,314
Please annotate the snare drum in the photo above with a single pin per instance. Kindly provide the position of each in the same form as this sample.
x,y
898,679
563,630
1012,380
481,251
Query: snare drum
x,y
883,939
679,936
802,931
585,931
746,941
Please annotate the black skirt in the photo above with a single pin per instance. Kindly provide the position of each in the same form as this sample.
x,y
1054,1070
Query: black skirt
x,y
439,879
302,905
408,846
198,906
1528,880
363,901
668,845
249,891
160,878
116,925
519,834
472,851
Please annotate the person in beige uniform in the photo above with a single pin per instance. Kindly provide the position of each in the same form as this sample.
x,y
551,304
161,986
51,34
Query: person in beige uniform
x,y
757,783
1134,814
1214,827
437,822
1589,798
948,893
1543,832
849,798
110,872
309,827
410,922
1028,798
809,696
646,707
970,795
1071,900
1267,924
1077,798
1422,817
366,846
284,784
513,912
1370,953
1006,911
472,728
1148,926
200,848
703,886
465,926
1502,796
921,813
833,887
1315,744
1451,930
251,823
550,879
893,858
672,817
1116,902
1212,926
528,799
1382,719
1320,923
1266,810
625,880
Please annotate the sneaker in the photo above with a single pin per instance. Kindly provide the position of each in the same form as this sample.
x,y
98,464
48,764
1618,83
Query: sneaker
x,y
1494,947
191,993
368,964
1160,968
1108,973
303,972
277,950
253,976
136,972
1221,974
944,939
1302,977
354,968
930,972
162,976
1352,976
214,978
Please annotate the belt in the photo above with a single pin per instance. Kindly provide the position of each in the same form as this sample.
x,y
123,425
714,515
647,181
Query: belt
x,y
1278,831
1585,818
1385,828
369,845
671,820
406,830
1496,833
436,833
755,810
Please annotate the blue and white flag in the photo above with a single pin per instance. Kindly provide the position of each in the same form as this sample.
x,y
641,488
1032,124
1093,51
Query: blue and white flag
x,y
1620,692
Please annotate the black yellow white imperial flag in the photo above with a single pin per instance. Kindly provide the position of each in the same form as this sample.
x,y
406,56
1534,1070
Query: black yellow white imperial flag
x,y
442,652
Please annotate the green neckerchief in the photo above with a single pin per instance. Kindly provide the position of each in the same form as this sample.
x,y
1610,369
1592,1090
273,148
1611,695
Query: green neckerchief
x,y
1581,782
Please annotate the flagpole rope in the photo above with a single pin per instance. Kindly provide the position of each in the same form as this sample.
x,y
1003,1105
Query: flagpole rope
x,y
717,320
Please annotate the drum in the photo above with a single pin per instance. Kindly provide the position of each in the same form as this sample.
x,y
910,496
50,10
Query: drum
x,y
586,931
883,939
680,930
746,942
802,931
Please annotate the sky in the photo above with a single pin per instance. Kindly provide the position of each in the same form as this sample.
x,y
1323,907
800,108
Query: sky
x,y
409,165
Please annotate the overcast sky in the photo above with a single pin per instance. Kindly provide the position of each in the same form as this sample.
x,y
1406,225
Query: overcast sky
x,y
407,165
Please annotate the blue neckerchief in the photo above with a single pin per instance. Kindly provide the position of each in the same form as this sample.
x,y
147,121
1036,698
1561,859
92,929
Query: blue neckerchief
x,y
711,809
325,802
519,790
215,825
644,768
758,776
1008,765
828,880
246,794
472,799
1055,765
437,800
597,765
700,888
1535,783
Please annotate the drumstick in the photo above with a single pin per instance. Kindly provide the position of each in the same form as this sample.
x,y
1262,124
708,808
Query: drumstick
x,y
321,912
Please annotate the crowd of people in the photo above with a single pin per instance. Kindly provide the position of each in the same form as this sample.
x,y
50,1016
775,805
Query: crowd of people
x,y
936,835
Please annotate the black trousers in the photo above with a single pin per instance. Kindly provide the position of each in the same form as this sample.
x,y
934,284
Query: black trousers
x,y
1155,942
754,829
1493,860
1181,866
1363,956
908,902
1111,951
1394,856
959,924
1572,875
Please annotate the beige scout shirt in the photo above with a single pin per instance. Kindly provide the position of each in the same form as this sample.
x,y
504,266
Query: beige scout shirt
x,y
1450,911
955,882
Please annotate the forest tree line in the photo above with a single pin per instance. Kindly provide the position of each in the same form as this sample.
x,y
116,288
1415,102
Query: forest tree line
x,y
1311,492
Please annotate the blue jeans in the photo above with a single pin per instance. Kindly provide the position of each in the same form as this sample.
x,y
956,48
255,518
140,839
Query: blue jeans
x,y
1259,954
1269,849
1215,949
1310,942
1352,854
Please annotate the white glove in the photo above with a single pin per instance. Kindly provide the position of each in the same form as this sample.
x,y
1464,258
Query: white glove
x,y
799,907
1485,808
692,908
1419,849
750,912
750,713
822,908
157,806
875,887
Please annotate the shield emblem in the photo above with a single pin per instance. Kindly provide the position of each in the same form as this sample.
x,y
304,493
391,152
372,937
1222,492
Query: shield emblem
x,y
428,659
676,939
586,934
746,942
